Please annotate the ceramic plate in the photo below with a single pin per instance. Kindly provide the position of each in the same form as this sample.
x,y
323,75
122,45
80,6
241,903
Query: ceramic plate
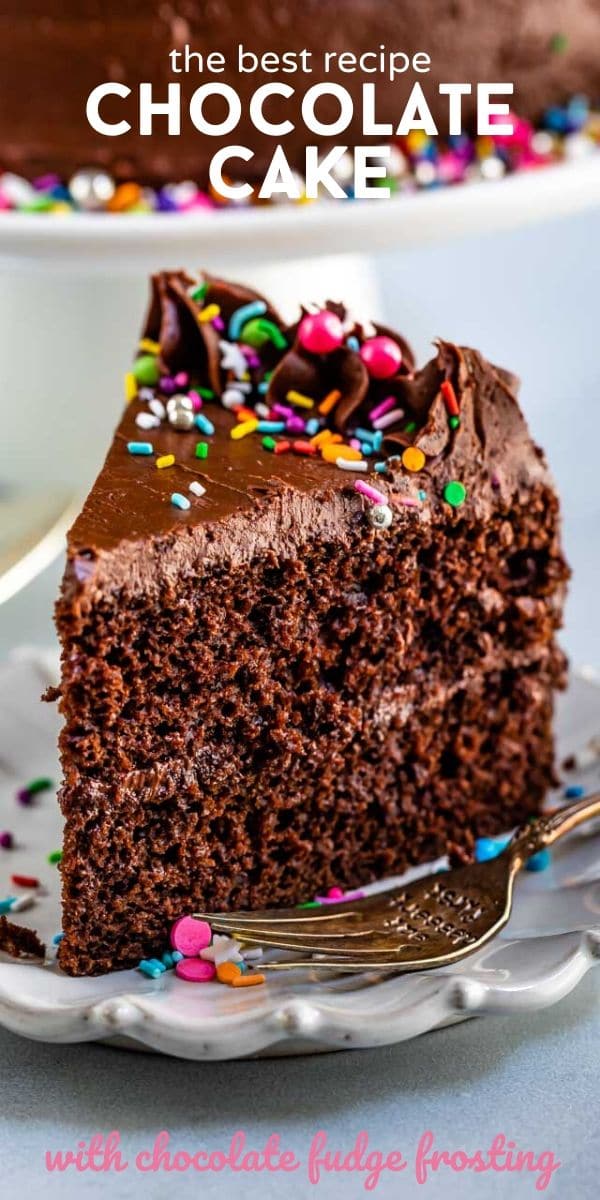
x,y
222,240
552,939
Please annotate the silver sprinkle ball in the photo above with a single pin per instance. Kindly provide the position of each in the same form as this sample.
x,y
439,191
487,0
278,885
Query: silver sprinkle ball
x,y
91,188
381,516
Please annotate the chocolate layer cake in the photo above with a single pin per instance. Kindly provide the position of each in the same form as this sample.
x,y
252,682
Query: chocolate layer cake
x,y
53,56
315,646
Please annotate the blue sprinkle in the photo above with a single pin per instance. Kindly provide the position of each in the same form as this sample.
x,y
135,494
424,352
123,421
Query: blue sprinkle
x,y
353,343
180,501
140,447
177,956
167,960
487,848
263,387
539,861
6,905
256,308
364,435
378,440
574,791
57,939
270,427
366,449
312,426
203,423
151,967
381,468
421,494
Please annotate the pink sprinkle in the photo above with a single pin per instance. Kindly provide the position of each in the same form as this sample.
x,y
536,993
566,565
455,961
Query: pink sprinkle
x,y
388,418
195,970
295,424
6,840
190,936
354,442
371,493
407,501
218,323
182,379
196,401
282,410
382,408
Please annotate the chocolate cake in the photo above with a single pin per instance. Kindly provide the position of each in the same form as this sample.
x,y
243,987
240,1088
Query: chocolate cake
x,y
307,619
53,56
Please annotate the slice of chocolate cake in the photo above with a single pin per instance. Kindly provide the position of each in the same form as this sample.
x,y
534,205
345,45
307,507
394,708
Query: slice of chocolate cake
x,y
307,620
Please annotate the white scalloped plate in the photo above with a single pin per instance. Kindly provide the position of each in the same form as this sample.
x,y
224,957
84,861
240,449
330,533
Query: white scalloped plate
x,y
552,940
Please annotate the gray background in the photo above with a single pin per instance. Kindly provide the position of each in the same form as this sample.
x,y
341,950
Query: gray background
x,y
529,300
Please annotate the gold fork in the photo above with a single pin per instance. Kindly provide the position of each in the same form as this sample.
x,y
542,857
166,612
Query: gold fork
x,y
436,920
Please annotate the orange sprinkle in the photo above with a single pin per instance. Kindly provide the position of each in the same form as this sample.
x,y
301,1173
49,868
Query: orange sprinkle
x,y
227,972
127,195
248,980
413,458
329,402
281,447
332,451
301,447
244,414
325,438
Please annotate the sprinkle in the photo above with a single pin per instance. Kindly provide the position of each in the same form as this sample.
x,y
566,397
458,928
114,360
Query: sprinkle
x,y
450,400
413,458
54,857
263,411
283,410
312,426
150,347
140,447
26,881
381,467
354,442
389,418
6,905
347,464
41,784
242,315
244,414
270,427
179,501
131,388
205,393
421,494
295,425
197,489
27,900
270,331
151,967
407,501
57,939
6,840
221,950
329,402
209,313
146,420
269,443
145,370
365,435
24,797
353,343
539,861
487,848
195,970
181,379
326,438
248,980
299,399
304,448
201,449
455,493
197,294
282,447
366,449
227,971
454,422
369,492
157,407
203,424
381,409
242,430
331,451
165,460
410,427
574,792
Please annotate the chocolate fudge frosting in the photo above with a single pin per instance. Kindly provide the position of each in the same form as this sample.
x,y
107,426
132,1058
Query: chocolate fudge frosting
x,y
52,56
256,500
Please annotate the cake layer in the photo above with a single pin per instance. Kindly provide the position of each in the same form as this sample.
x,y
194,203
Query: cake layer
x,y
547,50
138,855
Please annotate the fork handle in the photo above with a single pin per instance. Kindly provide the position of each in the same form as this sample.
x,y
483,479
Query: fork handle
x,y
546,830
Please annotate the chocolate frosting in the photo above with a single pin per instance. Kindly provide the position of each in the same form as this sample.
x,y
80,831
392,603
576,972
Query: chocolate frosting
x,y
257,502
52,56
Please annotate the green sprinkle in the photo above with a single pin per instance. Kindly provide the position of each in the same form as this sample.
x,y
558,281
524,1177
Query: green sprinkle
x,y
54,857
559,42
206,393
259,330
454,422
269,443
145,370
455,493
309,904
410,428
202,450
37,204
199,293
39,785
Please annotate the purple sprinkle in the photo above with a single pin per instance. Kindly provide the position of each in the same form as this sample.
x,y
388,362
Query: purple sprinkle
x,y
295,424
164,203
24,797
495,480
168,385
44,183
6,840
282,410
218,323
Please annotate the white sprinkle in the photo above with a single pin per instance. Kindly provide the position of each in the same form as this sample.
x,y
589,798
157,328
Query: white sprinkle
x,y
262,410
197,489
146,420
157,407
231,397
350,464
388,418
23,902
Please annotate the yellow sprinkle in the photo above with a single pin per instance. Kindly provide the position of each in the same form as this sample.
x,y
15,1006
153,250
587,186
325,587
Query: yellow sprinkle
x,y
332,451
131,387
149,347
245,427
329,402
209,313
300,400
166,460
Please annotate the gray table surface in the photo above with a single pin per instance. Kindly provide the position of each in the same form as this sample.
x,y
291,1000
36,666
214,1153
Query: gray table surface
x,y
535,1077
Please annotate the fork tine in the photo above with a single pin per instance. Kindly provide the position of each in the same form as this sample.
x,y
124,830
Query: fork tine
x,y
306,931
342,948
